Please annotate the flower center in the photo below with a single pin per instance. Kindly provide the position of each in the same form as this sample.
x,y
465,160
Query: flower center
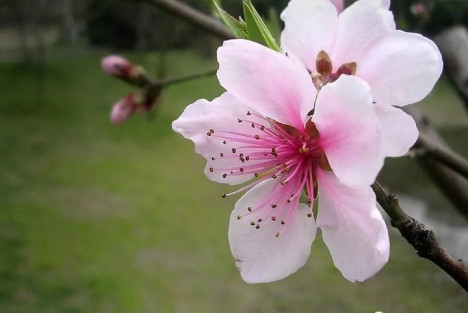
x,y
325,73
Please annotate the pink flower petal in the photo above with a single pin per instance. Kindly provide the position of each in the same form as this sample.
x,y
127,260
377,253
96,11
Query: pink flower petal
x,y
266,80
399,131
310,26
352,228
359,26
222,117
349,130
260,255
402,68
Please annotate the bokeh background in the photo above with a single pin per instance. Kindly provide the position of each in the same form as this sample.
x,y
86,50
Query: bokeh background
x,y
96,217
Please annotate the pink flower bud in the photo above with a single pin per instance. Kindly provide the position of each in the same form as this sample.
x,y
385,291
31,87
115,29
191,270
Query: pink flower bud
x,y
339,4
123,109
116,66
419,9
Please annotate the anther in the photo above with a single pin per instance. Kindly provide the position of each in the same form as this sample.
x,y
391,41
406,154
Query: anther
x,y
256,174
260,220
213,158
239,217
208,134
252,223
273,218
239,120
248,113
221,154
277,235
249,209
233,150
212,131
247,158
273,206
241,170
211,169
282,223
253,125
257,137
223,195
224,141
224,175
262,128
309,215
257,227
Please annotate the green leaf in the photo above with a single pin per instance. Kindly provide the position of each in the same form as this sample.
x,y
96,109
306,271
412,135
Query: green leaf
x,y
273,23
256,28
238,27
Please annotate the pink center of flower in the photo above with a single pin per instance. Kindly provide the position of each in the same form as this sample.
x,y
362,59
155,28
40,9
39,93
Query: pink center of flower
x,y
325,72
267,149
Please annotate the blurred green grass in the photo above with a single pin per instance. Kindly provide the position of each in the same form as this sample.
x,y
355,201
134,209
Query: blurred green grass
x,y
103,218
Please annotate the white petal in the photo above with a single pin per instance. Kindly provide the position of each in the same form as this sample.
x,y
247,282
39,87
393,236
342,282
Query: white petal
x,y
260,255
359,26
349,130
352,227
268,81
402,68
220,115
310,26
385,4
399,131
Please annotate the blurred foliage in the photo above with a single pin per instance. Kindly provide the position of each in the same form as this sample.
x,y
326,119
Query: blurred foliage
x,y
441,14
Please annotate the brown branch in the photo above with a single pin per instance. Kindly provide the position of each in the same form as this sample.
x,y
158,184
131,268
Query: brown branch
x,y
450,183
178,80
443,155
192,16
453,44
421,237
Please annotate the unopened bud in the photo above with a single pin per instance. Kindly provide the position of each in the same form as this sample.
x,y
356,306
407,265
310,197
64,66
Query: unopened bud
x,y
117,66
123,109
419,9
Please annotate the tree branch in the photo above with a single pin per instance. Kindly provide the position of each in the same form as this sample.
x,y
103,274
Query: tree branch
x,y
178,80
421,237
444,156
453,44
195,17
450,183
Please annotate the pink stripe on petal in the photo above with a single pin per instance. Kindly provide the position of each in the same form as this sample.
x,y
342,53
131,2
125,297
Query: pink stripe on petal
x,y
269,82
